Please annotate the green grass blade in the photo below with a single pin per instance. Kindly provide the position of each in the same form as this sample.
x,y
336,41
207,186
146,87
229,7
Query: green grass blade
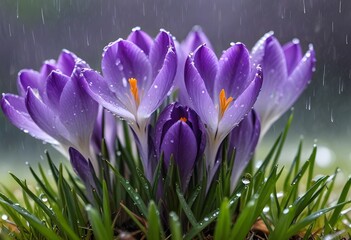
x,y
44,185
154,223
312,160
134,219
175,227
294,167
32,220
186,208
294,229
146,187
131,192
222,230
336,214
106,211
254,207
99,229
282,141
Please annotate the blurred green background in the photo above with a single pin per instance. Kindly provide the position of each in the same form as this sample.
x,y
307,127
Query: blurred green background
x,y
34,30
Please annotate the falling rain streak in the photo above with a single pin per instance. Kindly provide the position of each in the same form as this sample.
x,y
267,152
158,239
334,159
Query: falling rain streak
x,y
42,16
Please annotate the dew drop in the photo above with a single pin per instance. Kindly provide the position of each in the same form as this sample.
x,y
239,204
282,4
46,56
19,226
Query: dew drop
x,y
266,209
245,181
124,82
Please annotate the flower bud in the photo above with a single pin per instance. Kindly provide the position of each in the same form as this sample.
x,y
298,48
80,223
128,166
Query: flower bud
x,y
180,134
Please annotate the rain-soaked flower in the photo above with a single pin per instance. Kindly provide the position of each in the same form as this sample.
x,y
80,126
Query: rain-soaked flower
x,y
286,74
193,40
137,75
221,92
180,134
243,140
52,105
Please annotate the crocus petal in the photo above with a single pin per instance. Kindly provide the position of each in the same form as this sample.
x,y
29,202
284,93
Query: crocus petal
x,y
66,62
293,55
199,97
241,106
77,112
98,89
234,68
55,83
82,167
15,110
243,139
160,128
180,142
169,116
47,68
28,78
258,51
160,87
199,130
141,39
179,83
206,64
195,38
123,60
274,68
160,48
298,80
45,118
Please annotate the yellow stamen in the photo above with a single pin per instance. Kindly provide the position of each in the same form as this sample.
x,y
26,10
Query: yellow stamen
x,y
183,119
223,102
134,89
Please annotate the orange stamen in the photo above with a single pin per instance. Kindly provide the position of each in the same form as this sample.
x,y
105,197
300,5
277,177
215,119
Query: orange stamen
x,y
223,102
183,119
134,89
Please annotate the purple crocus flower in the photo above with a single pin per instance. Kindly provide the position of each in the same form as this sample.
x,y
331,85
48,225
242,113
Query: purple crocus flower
x,y
137,75
243,139
286,74
221,92
52,105
194,39
180,134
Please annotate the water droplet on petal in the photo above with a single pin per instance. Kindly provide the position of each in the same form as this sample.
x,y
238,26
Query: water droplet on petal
x,y
124,82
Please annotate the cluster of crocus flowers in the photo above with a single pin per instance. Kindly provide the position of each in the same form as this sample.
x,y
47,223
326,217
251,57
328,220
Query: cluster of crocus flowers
x,y
52,105
73,107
